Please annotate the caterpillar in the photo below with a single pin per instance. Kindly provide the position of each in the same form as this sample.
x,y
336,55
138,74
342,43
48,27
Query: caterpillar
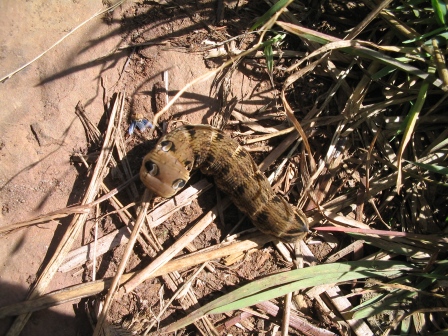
x,y
167,168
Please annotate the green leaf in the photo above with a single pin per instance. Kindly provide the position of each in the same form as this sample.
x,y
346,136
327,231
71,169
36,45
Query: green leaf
x,y
441,38
430,167
387,244
410,125
282,283
426,36
268,52
301,284
266,16
383,72
439,7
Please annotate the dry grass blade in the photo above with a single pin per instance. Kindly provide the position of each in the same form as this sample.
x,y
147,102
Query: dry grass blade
x,y
180,291
271,135
399,246
290,113
155,217
62,213
91,288
296,321
231,61
164,211
127,253
433,239
80,209
201,78
358,49
78,221
169,253
372,15
84,254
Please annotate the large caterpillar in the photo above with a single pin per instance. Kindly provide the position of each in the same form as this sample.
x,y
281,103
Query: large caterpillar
x,y
166,169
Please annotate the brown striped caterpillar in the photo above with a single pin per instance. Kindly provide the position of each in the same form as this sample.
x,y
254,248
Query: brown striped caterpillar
x,y
166,169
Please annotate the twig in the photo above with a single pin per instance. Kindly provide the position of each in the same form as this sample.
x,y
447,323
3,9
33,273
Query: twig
x,y
186,285
62,213
157,216
127,253
169,253
91,288
210,74
75,225
286,315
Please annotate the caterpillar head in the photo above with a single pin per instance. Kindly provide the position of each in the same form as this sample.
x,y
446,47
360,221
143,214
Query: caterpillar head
x,y
163,170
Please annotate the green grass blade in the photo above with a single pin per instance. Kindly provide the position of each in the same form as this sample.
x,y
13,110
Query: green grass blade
x,y
294,279
410,125
389,245
406,326
270,13
397,296
361,51
439,7
387,60
426,36
301,284
268,52
269,55
430,167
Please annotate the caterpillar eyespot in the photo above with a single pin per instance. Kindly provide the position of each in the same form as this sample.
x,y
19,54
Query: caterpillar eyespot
x,y
179,184
166,145
166,169
151,168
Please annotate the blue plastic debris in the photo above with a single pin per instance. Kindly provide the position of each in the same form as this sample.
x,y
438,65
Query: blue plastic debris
x,y
137,120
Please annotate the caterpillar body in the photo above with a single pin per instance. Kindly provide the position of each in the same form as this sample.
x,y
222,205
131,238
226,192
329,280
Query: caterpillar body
x,y
167,168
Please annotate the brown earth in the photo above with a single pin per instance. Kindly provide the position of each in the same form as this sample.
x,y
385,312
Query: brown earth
x,y
39,132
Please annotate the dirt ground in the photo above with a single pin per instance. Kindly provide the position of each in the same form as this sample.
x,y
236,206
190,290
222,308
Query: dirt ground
x,y
39,130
